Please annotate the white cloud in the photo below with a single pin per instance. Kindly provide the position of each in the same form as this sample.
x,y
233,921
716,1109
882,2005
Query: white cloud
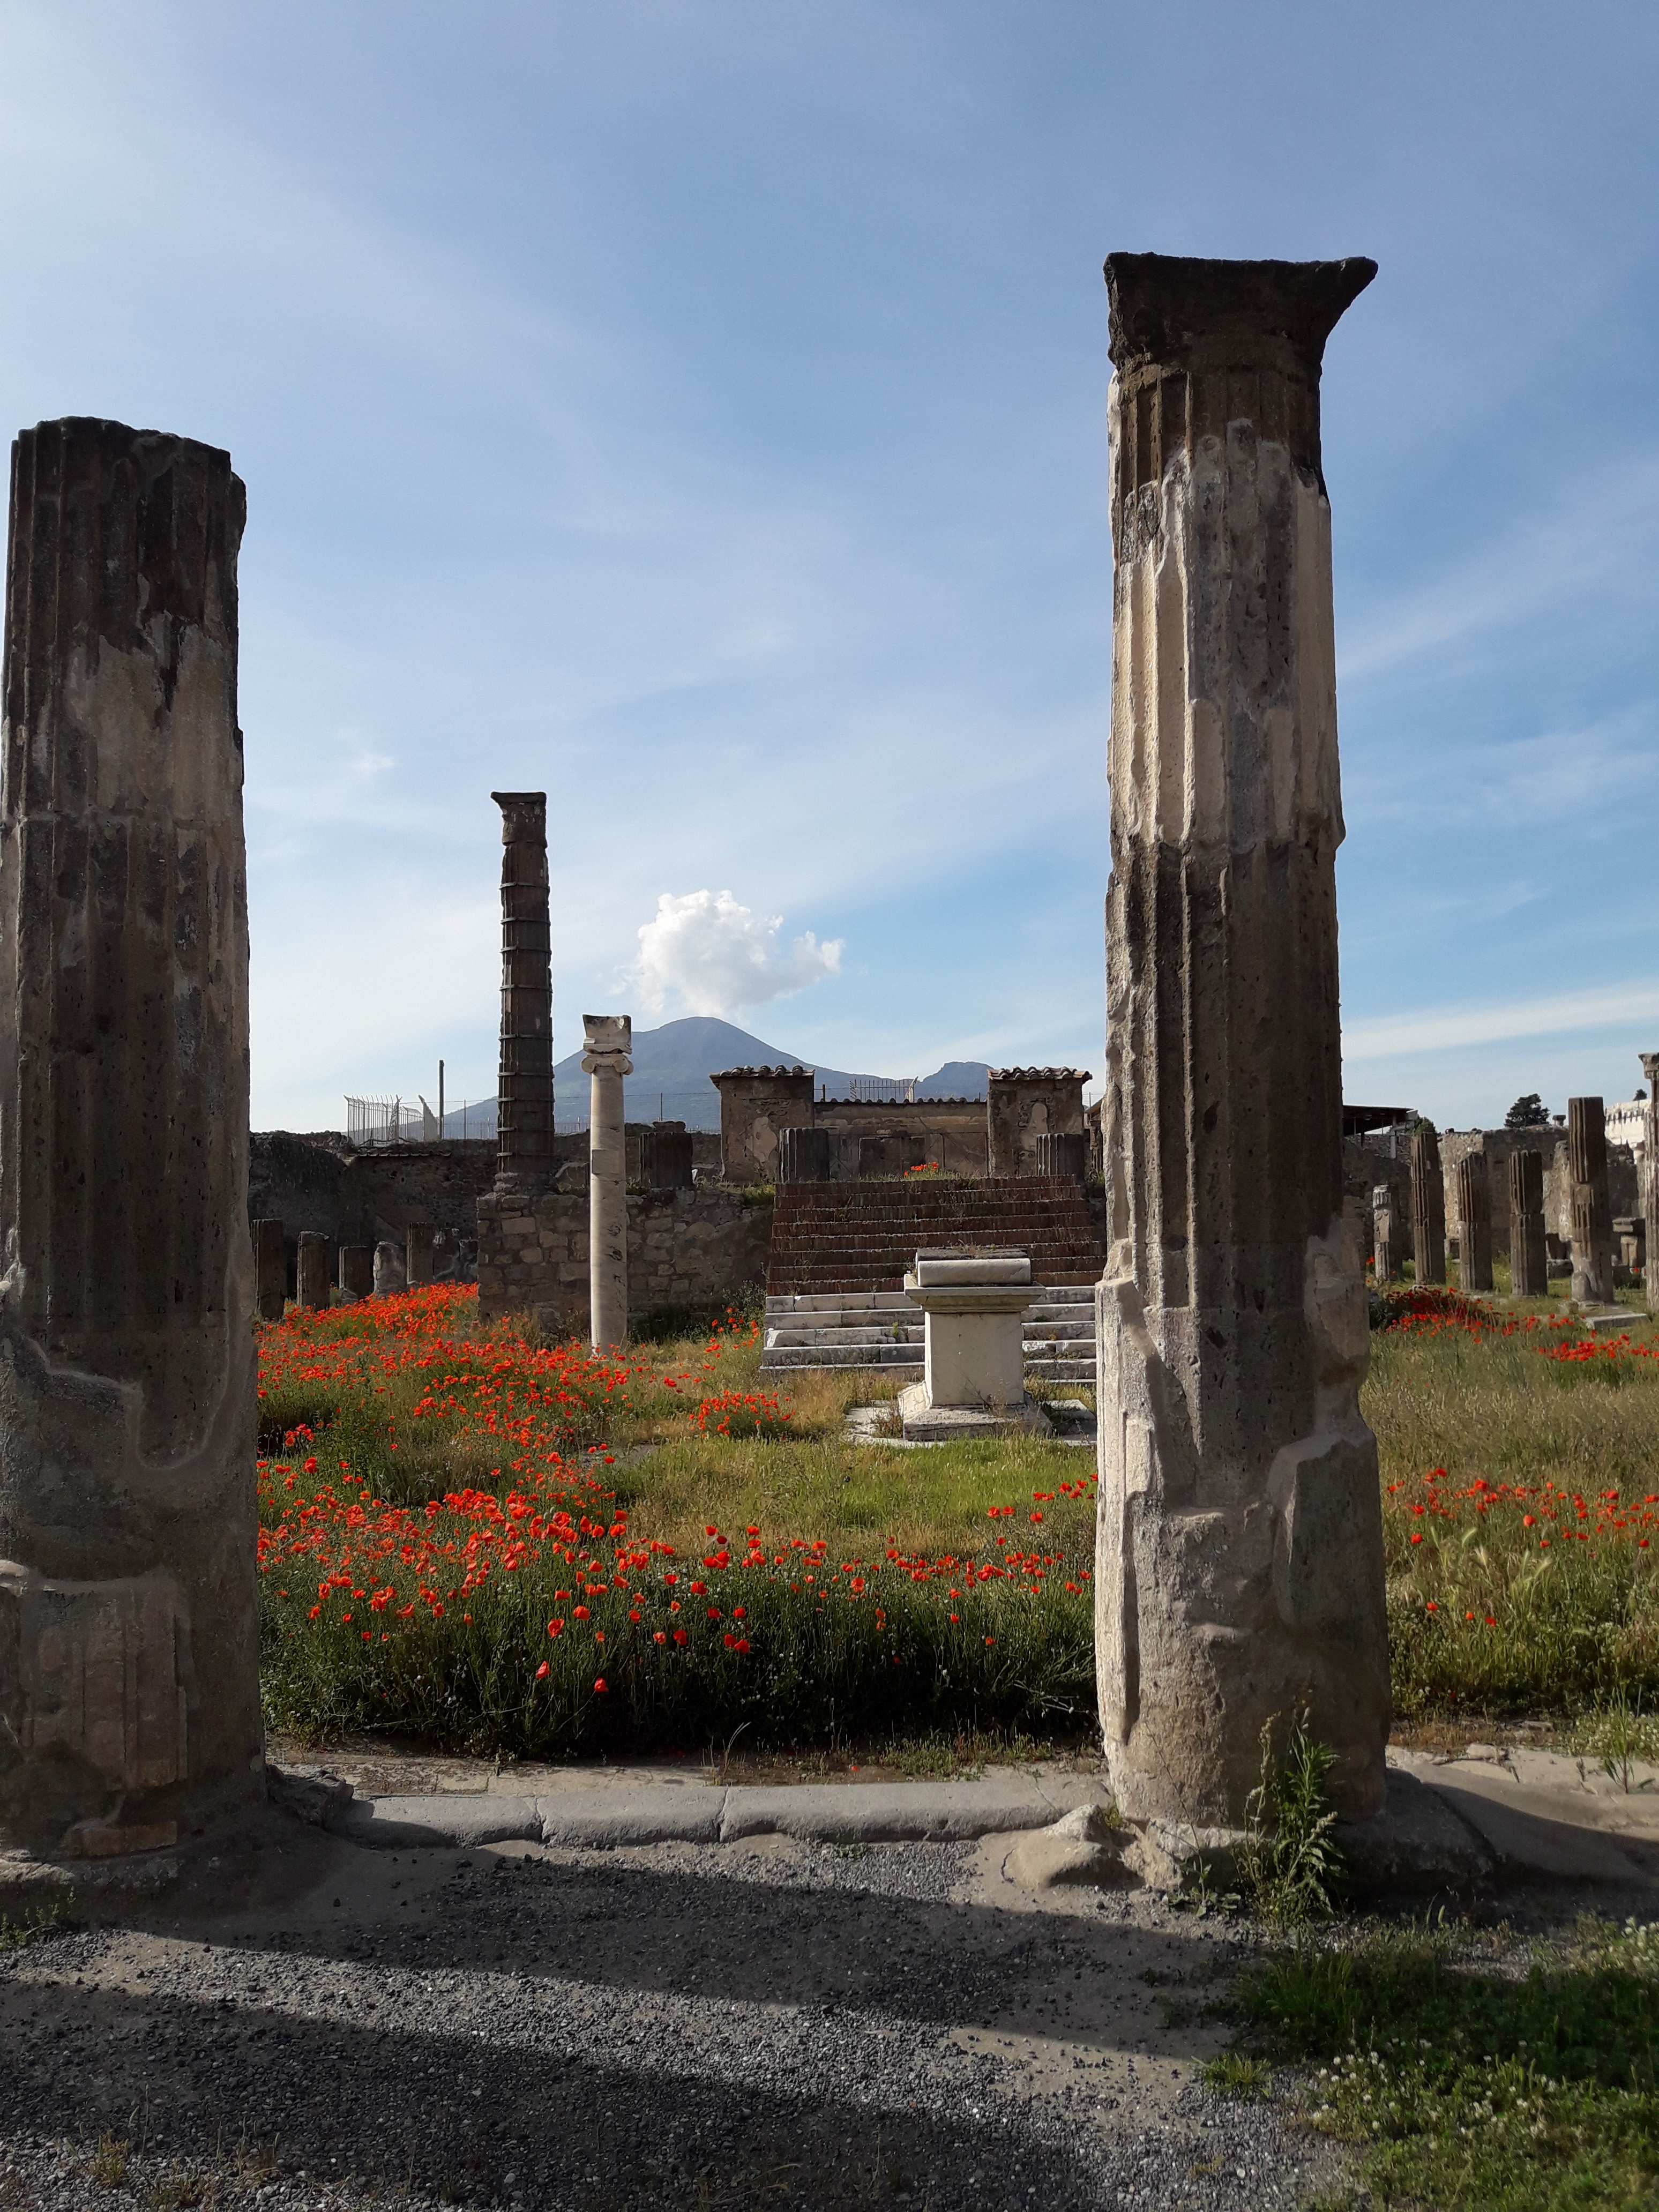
x,y
721,958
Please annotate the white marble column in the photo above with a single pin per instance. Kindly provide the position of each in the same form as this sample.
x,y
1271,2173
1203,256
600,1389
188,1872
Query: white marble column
x,y
608,1042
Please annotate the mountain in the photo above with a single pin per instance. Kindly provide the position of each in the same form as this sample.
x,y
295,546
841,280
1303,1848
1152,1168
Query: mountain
x,y
672,1066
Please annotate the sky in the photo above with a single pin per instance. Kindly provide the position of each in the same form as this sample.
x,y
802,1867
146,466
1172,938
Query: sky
x,y
698,411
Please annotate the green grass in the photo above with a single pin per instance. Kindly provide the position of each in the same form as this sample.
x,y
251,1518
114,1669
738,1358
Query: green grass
x,y
1472,2071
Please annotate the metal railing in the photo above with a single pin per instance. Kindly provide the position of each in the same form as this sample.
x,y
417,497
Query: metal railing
x,y
371,1122
884,1090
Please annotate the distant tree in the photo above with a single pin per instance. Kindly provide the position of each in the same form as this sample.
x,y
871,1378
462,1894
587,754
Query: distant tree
x,y
1527,1113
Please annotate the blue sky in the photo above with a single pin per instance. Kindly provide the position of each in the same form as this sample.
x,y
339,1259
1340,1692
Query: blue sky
x,y
698,410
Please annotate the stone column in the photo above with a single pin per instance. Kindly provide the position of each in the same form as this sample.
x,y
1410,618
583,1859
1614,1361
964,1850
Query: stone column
x,y
1650,1182
391,1275
129,1619
1428,1205
271,1268
357,1270
1062,1153
417,1247
608,1042
1592,1213
312,1283
524,1108
803,1156
1528,1254
1382,1235
665,1151
1240,1549
1473,1224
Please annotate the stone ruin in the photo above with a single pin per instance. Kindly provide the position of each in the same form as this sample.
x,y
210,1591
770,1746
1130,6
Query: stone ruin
x,y
607,1042
1240,1570
1592,1215
129,1621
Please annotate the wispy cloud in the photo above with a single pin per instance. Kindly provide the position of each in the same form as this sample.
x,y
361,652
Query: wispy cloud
x,y
1601,539
1457,1029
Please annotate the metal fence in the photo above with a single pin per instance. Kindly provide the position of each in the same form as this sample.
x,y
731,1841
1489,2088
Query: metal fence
x,y
374,1122
884,1090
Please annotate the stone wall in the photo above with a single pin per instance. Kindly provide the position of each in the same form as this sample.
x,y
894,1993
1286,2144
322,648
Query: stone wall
x,y
685,1248
1024,1104
947,1132
756,1104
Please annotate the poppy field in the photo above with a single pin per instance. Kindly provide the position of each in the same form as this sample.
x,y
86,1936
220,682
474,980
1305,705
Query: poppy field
x,y
499,1545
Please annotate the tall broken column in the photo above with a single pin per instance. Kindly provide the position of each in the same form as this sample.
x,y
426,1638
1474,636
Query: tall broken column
x,y
129,1621
1592,1212
524,1093
1428,1205
1528,1252
607,1043
1649,1182
1473,1224
1240,1547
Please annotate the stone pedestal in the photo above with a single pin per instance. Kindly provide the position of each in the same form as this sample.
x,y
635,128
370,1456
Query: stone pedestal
x,y
1592,1215
1384,1238
1528,1250
1240,1573
129,1619
357,1270
803,1156
607,1042
524,1082
974,1360
312,1285
418,1253
271,1268
1473,1224
1428,1205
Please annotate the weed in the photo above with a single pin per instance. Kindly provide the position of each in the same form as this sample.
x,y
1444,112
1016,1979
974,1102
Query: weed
x,y
1231,2073
35,1926
1289,1859
109,2161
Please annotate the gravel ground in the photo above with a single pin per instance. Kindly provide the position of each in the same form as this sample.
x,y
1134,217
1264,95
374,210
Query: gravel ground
x,y
764,2024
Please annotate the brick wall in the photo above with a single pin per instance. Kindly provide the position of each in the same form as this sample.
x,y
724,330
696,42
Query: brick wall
x,y
684,1248
862,1236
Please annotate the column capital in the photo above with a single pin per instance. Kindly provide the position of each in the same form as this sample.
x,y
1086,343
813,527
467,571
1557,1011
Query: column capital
x,y
1172,310
524,814
607,1045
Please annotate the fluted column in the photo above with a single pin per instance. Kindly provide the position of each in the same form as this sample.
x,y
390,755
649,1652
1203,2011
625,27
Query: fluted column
x,y
524,1090
1592,1212
608,1041
1428,1205
1473,1224
129,1632
1528,1251
1240,1550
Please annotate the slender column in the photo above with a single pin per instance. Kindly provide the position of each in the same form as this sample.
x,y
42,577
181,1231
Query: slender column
x,y
129,1624
271,1267
607,1039
311,1281
1592,1213
1382,1235
1428,1205
1529,1254
1240,1547
524,1110
1650,1182
1473,1224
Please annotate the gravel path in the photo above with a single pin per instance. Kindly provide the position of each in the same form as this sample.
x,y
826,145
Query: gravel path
x,y
773,2023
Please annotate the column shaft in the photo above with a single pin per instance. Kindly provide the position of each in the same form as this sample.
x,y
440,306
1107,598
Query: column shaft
x,y
609,1041
1592,1213
1473,1224
1240,1557
1528,1252
1428,1205
129,1686
524,1097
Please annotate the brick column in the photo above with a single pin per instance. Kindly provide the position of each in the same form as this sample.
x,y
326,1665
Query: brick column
x,y
523,1093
